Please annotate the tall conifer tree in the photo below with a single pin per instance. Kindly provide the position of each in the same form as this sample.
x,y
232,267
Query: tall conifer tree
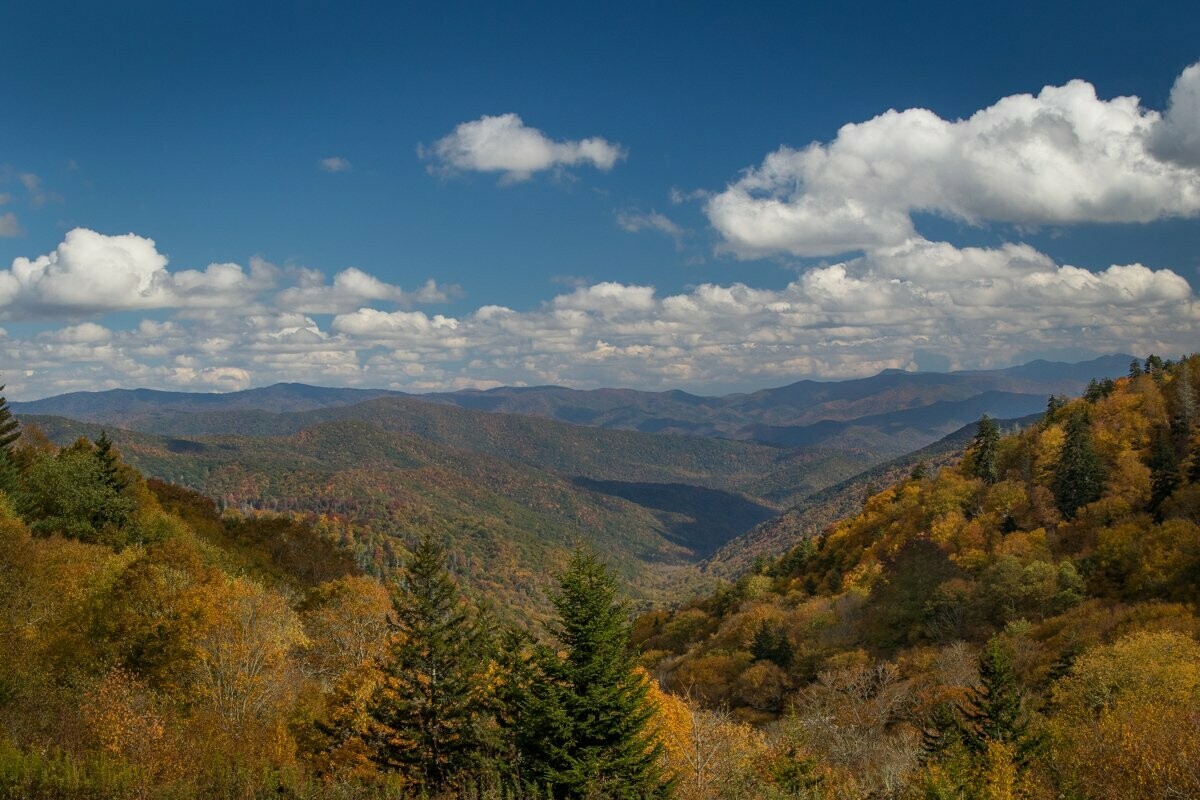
x,y
587,725
984,448
1080,474
10,429
995,710
433,708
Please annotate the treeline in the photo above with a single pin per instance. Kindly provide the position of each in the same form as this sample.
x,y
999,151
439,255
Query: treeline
x,y
1021,624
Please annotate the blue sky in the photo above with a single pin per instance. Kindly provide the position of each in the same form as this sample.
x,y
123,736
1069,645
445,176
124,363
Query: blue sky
x,y
546,164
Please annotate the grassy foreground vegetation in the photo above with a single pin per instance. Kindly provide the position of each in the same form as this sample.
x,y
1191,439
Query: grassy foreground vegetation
x,y
1021,624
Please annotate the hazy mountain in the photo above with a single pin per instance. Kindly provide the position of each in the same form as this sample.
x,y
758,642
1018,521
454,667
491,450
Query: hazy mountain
x,y
886,414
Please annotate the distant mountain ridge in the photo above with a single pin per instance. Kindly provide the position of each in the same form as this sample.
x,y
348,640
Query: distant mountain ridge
x,y
801,413
661,482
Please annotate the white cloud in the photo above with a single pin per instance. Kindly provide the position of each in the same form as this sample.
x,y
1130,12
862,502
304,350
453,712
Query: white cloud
x,y
635,222
335,164
38,195
505,144
352,288
90,273
978,307
1063,156
1178,137
9,226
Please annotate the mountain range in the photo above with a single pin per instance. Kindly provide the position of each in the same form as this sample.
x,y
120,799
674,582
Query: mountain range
x,y
673,488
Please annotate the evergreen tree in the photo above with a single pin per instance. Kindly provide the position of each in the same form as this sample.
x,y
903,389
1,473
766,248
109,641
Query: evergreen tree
x,y
110,465
995,707
10,429
983,451
770,643
1079,476
1164,467
942,731
1154,367
432,708
586,727
1135,368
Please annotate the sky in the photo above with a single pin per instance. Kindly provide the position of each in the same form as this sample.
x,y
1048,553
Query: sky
x,y
716,197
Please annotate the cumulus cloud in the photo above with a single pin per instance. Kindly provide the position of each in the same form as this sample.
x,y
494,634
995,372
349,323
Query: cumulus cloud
x,y
9,226
505,144
90,272
1177,139
1059,157
977,307
352,288
334,164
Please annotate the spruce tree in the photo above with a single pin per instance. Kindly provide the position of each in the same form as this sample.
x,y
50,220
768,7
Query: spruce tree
x,y
110,466
995,707
1079,476
586,725
432,711
770,643
984,449
10,429
1164,468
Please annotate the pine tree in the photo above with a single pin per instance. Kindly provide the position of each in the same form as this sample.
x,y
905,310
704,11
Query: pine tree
x,y
770,643
1079,476
433,707
1164,467
1135,368
10,429
586,726
983,451
110,465
995,707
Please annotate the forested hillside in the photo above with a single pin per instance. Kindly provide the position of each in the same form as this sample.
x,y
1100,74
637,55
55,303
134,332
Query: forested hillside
x,y
151,647
1020,624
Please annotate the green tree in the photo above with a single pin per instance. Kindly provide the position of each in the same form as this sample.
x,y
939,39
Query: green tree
x,y
10,429
1164,467
1079,475
770,643
432,709
110,463
995,709
67,494
983,450
586,723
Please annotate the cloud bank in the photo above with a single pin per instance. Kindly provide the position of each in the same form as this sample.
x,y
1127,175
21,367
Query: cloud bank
x,y
230,326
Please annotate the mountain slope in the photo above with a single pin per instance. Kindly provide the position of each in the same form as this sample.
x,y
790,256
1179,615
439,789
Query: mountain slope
x,y
512,525
812,514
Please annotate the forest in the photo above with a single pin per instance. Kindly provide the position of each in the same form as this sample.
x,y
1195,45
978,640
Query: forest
x,y
1018,623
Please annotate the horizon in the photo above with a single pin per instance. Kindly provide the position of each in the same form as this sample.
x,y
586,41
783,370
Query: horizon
x,y
1104,356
